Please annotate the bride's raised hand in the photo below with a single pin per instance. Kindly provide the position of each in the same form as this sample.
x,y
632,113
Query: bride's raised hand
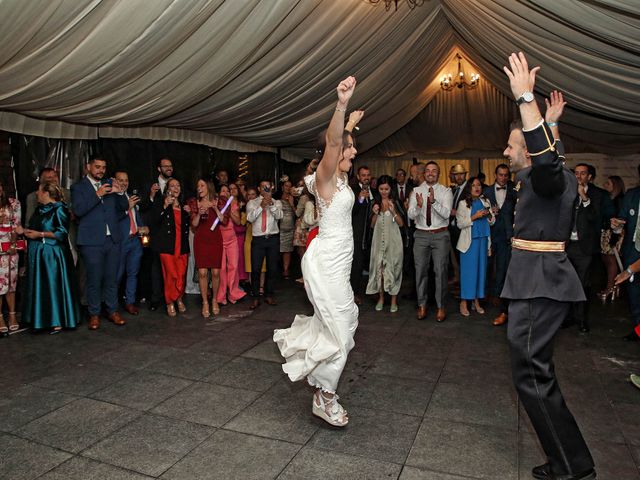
x,y
345,89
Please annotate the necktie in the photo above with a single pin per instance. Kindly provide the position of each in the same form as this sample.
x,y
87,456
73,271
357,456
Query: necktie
x,y
402,193
636,234
501,188
264,220
132,223
429,207
97,185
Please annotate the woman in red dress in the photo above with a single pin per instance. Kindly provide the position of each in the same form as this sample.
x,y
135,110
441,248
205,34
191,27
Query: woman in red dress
x,y
207,243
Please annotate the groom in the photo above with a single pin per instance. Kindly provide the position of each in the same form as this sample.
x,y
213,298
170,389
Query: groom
x,y
540,282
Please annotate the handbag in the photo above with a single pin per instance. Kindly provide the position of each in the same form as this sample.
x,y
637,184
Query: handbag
x,y
20,245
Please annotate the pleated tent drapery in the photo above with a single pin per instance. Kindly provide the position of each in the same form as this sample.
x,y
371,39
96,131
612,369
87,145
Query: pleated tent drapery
x,y
256,75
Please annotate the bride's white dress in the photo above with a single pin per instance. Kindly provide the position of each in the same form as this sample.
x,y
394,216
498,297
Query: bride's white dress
x,y
316,347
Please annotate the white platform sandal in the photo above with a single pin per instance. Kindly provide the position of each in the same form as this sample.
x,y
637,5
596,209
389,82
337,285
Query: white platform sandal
x,y
337,415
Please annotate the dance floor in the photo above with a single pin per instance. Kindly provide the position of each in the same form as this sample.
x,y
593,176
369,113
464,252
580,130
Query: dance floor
x,y
186,398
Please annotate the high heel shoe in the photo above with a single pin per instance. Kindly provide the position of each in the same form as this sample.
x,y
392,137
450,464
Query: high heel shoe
x,y
3,327
612,292
476,306
13,323
205,310
171,310
181,306
216,308
464,311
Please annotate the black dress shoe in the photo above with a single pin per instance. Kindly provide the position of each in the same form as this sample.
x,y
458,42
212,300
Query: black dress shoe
x,y
153,306
631,337
541,472
584,327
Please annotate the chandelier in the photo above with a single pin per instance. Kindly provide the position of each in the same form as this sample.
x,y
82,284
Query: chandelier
x,y
387,3
448,81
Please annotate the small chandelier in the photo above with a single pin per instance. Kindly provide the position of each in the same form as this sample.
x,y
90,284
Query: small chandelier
x,y
387,3
448,81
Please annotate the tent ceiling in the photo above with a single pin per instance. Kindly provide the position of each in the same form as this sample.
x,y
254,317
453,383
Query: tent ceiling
x,y
262,73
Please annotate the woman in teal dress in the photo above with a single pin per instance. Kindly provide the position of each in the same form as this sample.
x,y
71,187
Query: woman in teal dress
x,y
474,217
51,293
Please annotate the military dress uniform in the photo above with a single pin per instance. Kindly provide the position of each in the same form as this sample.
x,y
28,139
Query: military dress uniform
x,y
541,284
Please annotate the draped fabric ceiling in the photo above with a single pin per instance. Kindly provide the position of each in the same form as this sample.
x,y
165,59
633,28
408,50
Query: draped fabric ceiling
x,y
255,75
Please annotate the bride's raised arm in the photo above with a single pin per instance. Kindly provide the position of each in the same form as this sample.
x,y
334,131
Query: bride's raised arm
x,y
333,149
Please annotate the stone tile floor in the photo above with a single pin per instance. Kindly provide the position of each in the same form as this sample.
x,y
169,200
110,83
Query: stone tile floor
x,y
187,398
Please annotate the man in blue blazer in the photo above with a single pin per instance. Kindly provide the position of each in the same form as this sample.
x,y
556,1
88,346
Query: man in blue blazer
x,y
99,204
628,216
503,197
131,225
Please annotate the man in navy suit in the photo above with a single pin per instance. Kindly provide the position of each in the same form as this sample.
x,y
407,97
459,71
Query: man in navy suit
x,y
628,216
503,201
131,249
98,205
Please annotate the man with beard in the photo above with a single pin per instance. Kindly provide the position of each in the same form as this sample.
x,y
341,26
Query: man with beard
x,y
360,220
429,208
541,283
99,204
156,191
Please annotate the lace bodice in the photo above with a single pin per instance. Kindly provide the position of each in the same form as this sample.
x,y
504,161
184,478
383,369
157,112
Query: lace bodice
x,y
334,216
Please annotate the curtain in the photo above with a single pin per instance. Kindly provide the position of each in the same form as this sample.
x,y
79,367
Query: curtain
x,y
256,75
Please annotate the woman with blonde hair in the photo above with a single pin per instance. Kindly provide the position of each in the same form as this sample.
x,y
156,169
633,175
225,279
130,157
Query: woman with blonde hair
x,y
51,292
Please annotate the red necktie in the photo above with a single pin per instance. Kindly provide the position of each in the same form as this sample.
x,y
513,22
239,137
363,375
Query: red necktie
x,y
132,223
264,221
429,207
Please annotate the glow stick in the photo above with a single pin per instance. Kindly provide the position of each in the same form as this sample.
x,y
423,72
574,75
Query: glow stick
x,y
224,209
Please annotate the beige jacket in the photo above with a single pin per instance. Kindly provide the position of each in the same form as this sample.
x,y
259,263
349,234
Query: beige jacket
x,y
463,219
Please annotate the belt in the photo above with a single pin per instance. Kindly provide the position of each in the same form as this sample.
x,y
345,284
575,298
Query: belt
x,y
266,236
435,230
537,245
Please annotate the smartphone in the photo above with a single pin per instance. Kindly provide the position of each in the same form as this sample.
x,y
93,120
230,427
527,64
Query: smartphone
x,y
108,181
267,189
134,191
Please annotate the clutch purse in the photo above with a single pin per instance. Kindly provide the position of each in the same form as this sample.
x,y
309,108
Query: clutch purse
x,y
20,245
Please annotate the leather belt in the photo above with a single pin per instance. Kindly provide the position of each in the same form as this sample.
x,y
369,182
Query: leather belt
x,y
537,245
435,230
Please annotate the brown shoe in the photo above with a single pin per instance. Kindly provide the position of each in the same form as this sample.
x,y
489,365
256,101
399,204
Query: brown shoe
x,y
357,300
255,303
116,319
270,301
94,322
422,312
131,309
500,319
441,315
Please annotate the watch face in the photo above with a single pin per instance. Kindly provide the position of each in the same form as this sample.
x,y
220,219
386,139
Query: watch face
x,y
527,96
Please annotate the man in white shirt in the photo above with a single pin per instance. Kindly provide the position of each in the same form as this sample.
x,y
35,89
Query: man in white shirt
x,y
430,208
264,212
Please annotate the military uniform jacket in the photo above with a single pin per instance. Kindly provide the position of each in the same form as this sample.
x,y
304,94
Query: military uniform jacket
x,y
544,212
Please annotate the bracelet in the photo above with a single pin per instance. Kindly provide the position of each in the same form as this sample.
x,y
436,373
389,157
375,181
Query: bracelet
x,y
341,109
630,272
552,124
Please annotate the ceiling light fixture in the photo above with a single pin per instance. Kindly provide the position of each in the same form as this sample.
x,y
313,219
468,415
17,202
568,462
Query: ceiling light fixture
x,y
448,82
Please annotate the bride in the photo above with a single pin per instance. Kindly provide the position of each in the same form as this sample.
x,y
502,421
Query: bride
x,y
316,347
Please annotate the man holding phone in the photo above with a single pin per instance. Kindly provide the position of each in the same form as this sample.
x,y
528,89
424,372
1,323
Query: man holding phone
x,y
99,204
131,226
264,212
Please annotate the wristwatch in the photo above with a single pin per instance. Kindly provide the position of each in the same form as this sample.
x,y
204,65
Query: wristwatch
x,y
526,97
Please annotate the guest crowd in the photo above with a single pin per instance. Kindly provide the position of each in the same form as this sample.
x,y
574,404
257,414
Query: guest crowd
x,y
87,245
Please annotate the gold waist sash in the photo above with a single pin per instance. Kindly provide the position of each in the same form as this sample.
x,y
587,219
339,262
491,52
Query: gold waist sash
x,y
537,245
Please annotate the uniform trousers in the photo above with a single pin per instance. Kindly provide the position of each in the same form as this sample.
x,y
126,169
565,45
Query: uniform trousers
x,y
533,325
425,246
